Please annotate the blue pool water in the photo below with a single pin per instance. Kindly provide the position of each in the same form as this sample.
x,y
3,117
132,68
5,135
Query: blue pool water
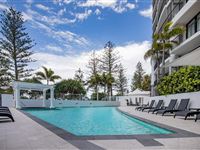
x,y
96,121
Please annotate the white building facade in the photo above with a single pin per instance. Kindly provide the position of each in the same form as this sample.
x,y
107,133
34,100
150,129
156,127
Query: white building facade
x,y
185,13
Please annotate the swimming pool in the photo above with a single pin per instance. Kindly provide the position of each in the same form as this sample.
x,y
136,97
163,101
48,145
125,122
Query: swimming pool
x,y
89,121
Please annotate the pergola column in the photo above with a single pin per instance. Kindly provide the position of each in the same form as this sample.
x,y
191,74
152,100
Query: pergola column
x,y
44,97
52,97
17,97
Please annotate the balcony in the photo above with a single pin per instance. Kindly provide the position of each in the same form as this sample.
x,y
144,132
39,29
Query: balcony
x,y
188,45
170,10
190,9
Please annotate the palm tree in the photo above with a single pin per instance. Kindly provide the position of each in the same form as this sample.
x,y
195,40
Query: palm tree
x,y
107,81
155,52
47,75
165,37
94,82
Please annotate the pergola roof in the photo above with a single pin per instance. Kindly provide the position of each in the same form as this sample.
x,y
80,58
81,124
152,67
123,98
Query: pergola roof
x,y
190,59
31,86
139,92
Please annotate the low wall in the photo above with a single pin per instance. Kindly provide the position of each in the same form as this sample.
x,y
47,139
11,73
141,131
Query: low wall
x,y
7,100
193,96
67,103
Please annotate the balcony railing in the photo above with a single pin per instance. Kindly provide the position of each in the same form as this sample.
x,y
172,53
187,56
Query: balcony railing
x,y
177,6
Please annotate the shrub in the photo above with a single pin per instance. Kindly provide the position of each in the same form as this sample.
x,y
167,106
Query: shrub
x,y
184,80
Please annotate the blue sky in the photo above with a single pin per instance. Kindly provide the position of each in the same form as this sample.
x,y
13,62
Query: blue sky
x,y
66,31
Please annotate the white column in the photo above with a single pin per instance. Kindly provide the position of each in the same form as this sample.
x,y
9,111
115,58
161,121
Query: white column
x,y
52,97
44,97
17,97
172,58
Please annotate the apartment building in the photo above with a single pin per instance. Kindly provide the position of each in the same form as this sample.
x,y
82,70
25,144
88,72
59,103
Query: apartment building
x,y
181,12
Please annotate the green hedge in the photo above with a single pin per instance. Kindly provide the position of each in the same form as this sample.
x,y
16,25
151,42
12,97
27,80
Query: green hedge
x,y
184,80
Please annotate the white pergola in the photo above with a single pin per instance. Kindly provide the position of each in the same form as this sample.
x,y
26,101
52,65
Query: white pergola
x,y
17,86
190,59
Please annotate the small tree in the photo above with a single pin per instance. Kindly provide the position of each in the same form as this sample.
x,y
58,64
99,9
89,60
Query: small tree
x,y
71,88
47,75
146,83
121,81
137,77
15,43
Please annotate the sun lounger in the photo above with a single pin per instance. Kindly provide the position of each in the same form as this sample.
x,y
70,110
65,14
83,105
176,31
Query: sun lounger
x,y
148,107
188,112
182,107
197,117
140,107
158,106
171,106
6,114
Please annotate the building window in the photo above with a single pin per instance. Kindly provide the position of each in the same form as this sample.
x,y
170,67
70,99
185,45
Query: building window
x,y
198,22
191,28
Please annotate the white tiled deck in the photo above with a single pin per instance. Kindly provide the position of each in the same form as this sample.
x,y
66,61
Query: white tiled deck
x,y
25,134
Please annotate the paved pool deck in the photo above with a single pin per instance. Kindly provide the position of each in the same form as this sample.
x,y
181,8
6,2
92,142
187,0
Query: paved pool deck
x,y
26,134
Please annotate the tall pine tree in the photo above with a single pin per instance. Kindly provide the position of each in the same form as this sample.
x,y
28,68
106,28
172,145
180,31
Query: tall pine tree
x,y
121,81
110,65
4,74
137,77
15,43
94,79
79,76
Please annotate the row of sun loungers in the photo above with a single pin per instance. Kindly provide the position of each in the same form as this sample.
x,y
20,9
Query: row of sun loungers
x,y
5,112
180,111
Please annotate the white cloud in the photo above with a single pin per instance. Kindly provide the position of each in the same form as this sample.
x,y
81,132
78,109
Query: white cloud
x,y
130,5
147,12
118,6
83,16
26,16
42,7
97,12
54,48
61,11
29,1
101,3
67,1
3,7
50,20
64,37
66,65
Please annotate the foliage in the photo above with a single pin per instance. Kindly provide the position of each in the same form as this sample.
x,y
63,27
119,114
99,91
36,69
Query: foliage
x,y
94,79
32,80
4,74
110,64
100,94
8,90
137,77
70,86
146,83
155,52
165,37
47,75
184,80
15,43
79,76
121,81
